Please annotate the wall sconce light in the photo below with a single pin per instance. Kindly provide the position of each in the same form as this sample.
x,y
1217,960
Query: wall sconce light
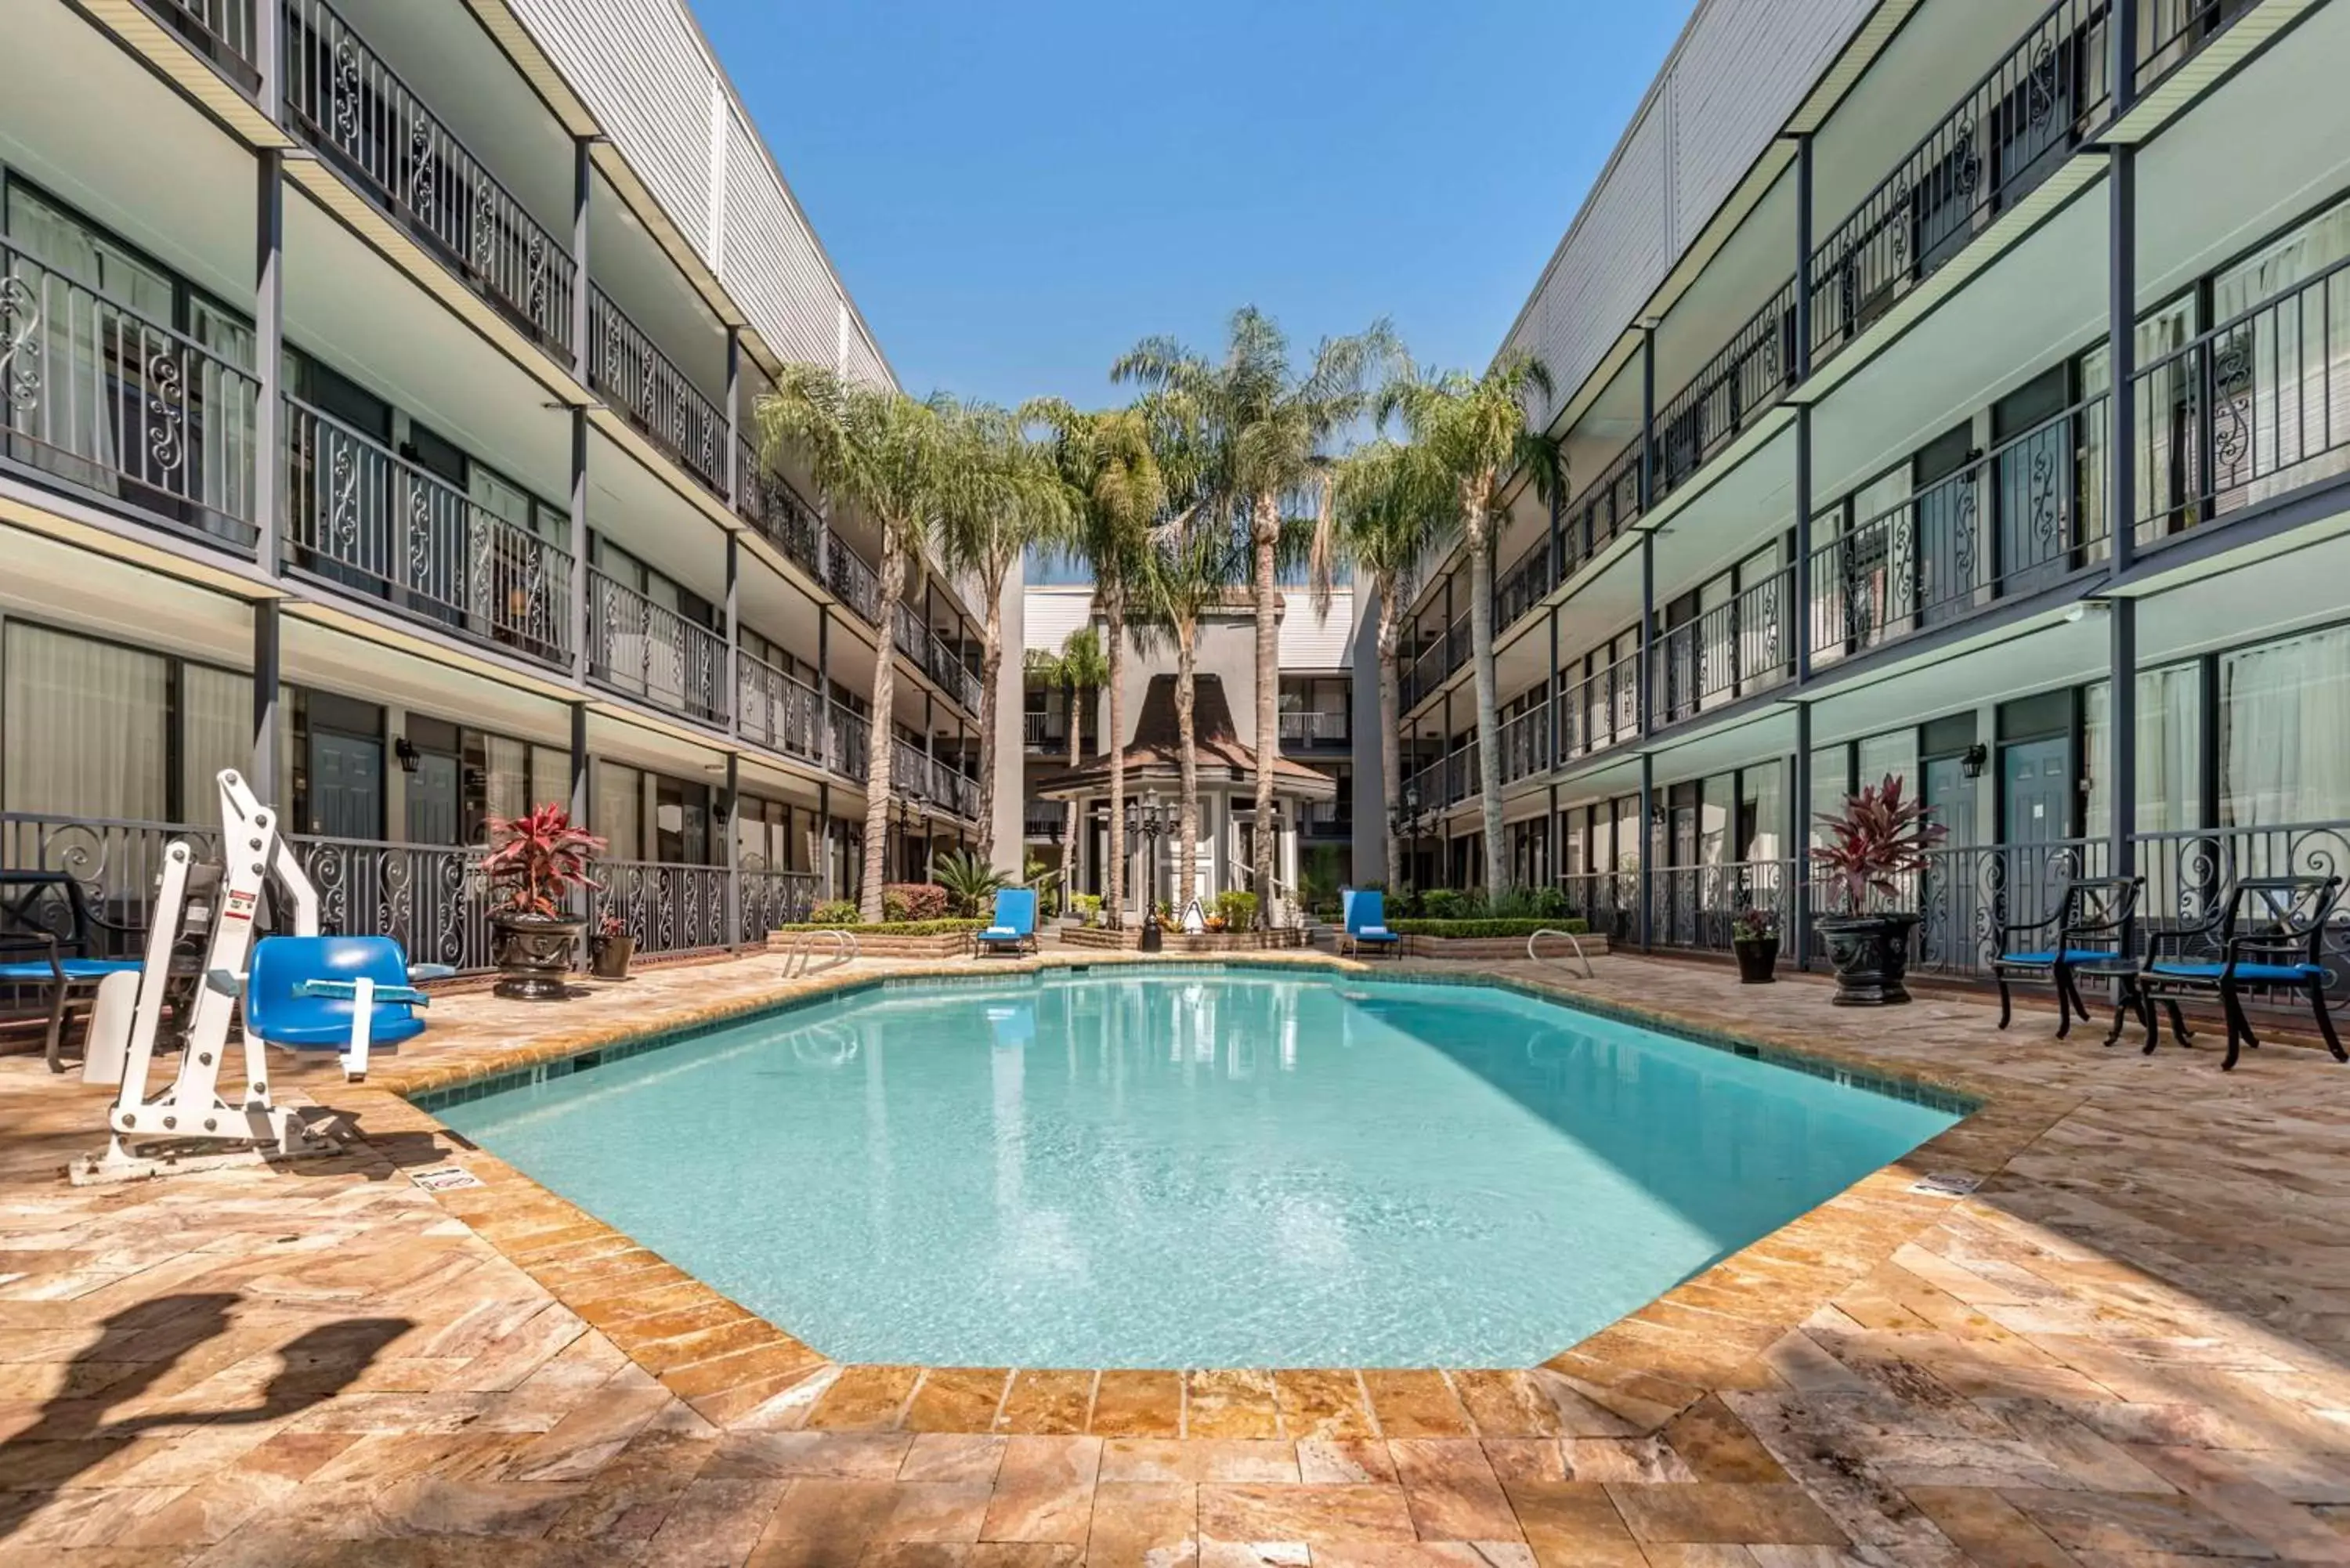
x,y
1977,758
405,749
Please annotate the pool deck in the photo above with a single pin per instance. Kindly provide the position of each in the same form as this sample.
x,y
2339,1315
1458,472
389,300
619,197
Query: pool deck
x,y
2127,1348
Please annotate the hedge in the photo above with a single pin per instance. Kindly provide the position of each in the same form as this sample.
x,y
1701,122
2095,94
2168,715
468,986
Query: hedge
x,y
1474,929
892,927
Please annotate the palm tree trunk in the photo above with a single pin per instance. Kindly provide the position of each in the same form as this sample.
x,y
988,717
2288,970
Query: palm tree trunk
x,y
1265,534
1114,609
881,732
1070,818
1390,720
1489,712
1186,815
991,669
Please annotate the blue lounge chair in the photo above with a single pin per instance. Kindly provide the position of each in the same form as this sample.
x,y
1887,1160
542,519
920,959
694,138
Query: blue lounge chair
x,y
2270,934
1365,914
1014,927
347,994
2092,932
49,941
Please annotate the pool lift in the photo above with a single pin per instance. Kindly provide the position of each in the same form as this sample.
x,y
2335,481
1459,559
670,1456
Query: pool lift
x,y
193,1124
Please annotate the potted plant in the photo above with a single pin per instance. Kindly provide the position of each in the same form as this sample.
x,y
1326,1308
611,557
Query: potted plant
x,y
536,863
1152,922
1755,938
1880,837
611,948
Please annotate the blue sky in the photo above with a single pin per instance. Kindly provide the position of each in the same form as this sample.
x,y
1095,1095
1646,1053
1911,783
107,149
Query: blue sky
x,y
1016,192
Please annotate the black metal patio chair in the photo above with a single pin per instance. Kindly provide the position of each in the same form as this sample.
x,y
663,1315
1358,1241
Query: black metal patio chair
x,y
2269,934
49,944
2092,932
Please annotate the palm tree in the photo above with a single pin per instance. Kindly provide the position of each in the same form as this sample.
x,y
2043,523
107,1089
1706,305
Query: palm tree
x,y
1474,432
1192,560
1107,460
1000,495
1267,429
1079,667
882,453
1389,509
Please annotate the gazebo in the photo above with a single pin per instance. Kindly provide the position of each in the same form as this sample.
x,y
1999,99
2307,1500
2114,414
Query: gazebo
x,y
1154,784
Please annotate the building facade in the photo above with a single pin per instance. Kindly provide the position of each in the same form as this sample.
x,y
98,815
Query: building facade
x,y
377,391
1945,394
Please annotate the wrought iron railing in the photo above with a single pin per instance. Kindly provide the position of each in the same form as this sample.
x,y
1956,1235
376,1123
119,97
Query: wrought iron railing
x,y
1696,906
1608,902
1523,585
1462,777
353,107
1748,377
1730,650
2018,126
1309,727
667,908
920,642
2172,32
650,650
224,28
1424,789
652,393
1600,511
430,897
1436,663
1047,731
852,582
1602,709
1045,820
778,712
117,861
769,504
2015,520
362,517
848,752
1525,744
2257,407
101,396
772,898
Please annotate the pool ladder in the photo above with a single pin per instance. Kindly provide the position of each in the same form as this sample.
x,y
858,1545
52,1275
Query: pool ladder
x,y
1581,957
844,946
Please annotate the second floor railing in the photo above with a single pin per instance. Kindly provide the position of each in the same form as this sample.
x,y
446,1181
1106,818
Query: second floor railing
x,y
226,29
1525,744
777,711
1602,709
1749,376
1463,779
852,582
345,102
104,398
769,504
654,395
361,517
848,748
917,641
1523,585
1730,650
651,651
1315,727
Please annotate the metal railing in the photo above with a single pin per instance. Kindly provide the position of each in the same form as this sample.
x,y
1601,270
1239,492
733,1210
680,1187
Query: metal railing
x,y
1462,777
2172,32
1696,907
852,582
1436,661
1600,511
1308,727
920,642
1425,787
650,650
936,780
772,898
350,106
1731,650
1045,732
779,712
1523,585
365,519
769,504
1746,377
848,749
2017,125
97,394
1525,744
1602,709
117,861
2015,520
430,897
2254,407
652,393
224,28
667,908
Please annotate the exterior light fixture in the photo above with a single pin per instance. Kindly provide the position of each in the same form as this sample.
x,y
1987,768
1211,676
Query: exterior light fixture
x,y
1977,758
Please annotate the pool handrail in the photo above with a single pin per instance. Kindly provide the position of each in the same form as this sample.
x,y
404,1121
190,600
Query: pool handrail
x,y
1582,957
844,946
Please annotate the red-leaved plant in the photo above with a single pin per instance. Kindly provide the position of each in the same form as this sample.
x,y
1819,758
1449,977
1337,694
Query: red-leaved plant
x,y
1880,836
537,859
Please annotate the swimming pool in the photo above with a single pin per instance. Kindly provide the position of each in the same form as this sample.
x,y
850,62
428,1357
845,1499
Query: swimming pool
x,y
1214,1168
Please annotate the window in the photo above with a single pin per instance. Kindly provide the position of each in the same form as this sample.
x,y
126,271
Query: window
x,y
1831,784
1895,753
2285,730
2169,752
89,727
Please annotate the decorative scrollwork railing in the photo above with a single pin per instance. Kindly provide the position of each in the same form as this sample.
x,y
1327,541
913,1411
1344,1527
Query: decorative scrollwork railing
x,y
769,504
852,582
432,898
107,398
667,908
777,711
350,104
650,650
1733,649
848,750
1746,377
1602,709
654,395
1525,744
773,898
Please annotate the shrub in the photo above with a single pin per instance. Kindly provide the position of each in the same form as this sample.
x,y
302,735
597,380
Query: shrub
x,y
1527,904
966,882
1087,905
1471,929
903,901
1449,904
895,927
1755,924
833,912
1238,909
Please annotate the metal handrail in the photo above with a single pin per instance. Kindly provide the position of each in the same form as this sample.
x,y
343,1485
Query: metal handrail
x,y
844,952
1582,957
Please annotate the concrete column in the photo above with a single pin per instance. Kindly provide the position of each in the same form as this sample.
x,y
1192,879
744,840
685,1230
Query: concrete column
x,y
1799,839
1646,839
731,801
262,771
2121,489
733,634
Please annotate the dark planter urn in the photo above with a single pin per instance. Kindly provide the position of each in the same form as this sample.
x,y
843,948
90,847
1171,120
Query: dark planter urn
x,y
1871,954
534,955
1151,941
608,957
1758,960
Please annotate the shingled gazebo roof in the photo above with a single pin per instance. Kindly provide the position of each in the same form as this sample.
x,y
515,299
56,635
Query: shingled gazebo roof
x,y
1155,759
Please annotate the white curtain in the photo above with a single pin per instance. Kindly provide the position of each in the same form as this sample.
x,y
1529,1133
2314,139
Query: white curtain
x,y
87,726
215,732
2284,731
2281,397
619,813
1767,808
507,790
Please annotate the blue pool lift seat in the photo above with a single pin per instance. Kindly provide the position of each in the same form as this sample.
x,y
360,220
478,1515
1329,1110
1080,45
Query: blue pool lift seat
x,y
303,994
2269,934
1014,925
2093,929
1364,914
49,942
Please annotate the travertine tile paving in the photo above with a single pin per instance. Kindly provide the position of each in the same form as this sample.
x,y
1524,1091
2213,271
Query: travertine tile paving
x,y
2126,1349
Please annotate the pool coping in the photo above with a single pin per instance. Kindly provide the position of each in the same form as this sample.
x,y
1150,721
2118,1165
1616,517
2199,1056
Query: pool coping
x,y
1631,1377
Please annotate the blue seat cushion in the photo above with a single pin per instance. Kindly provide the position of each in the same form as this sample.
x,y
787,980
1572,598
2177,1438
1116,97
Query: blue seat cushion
x,y
2249,973
75,968
2047,959
335,1034
1375,934
1000,934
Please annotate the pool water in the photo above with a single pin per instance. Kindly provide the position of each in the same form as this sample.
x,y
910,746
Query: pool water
x,y
1196,1169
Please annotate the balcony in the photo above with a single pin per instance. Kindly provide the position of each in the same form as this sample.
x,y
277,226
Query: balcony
x,y
1601,710
849,751
1523,586
1463,779
650,651
1043,821
778,712
2015,520
1731,650
653,394
1046,732
1436,663
850,580
1722,401
930,654
365,520
1308,729
770,505
114,402
1525,744
221,30
931,779
1327,819
355,111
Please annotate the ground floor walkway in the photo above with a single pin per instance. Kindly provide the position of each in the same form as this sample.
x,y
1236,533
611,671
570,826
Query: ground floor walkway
x,y
2131,1347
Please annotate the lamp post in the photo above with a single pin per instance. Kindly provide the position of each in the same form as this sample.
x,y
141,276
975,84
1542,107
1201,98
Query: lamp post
x,y
1144,818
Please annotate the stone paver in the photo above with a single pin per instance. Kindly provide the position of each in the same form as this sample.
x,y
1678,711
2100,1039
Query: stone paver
x,y
2126,1347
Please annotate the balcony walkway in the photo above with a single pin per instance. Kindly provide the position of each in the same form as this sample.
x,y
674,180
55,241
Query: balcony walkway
x,y
2131,1341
